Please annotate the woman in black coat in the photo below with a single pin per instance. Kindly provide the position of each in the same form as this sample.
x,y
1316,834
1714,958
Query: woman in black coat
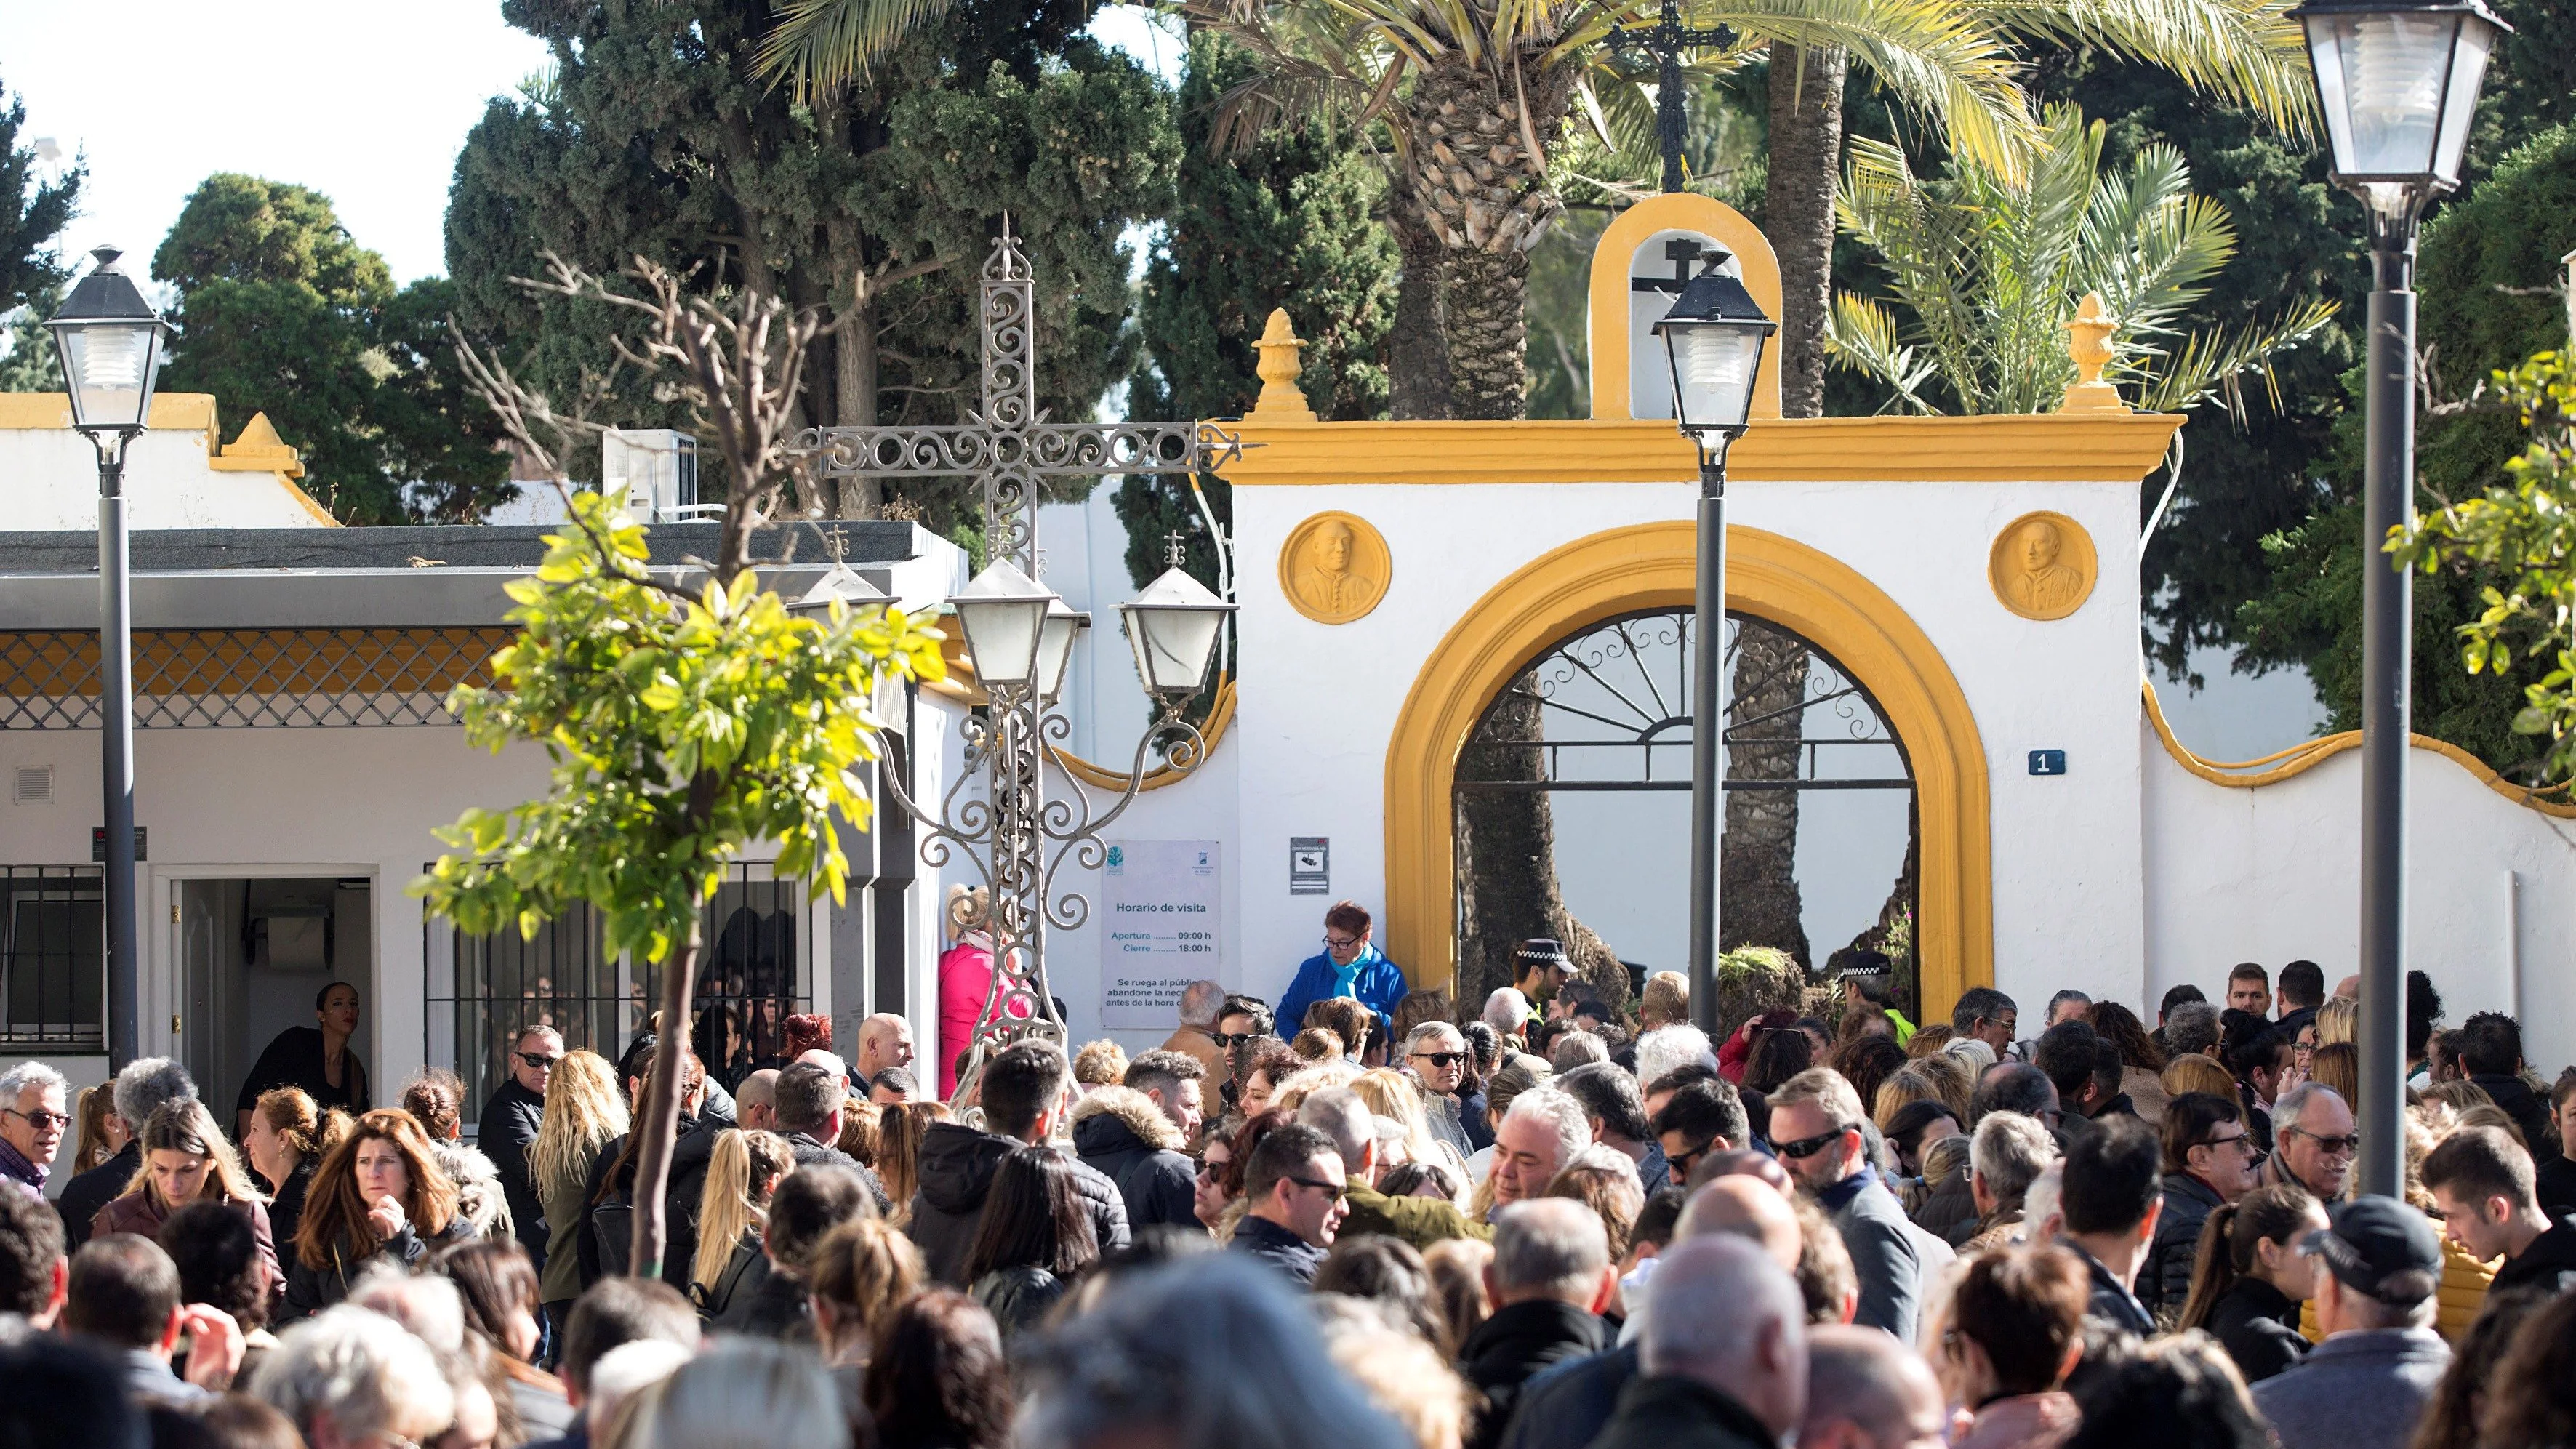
x,y
379,1196
2250,1277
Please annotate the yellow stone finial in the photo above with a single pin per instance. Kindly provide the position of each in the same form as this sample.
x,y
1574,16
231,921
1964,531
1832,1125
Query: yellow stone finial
x,y
1280,399
2088,341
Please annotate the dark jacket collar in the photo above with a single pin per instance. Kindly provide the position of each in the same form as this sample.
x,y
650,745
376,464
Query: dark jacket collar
x,y
1834,1197
1533,1324
1689,1408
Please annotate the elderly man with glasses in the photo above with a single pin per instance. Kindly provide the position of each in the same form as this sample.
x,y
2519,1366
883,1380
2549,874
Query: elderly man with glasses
x,y
1436,1055
1816,1121
33,1113
2313,1141
509,1127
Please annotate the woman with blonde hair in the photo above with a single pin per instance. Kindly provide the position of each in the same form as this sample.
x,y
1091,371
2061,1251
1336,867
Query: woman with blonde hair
x,y
1390,1094
742,1172
862,1131
2193,1072
2337,1065
2339,1020
584,1113
858,1279
378,1197
1665,1002
285,1144
185,1160
899,1132
103,1134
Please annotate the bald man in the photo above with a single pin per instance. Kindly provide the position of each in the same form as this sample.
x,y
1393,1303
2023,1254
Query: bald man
x,y
1731,1380
753,1099
885,1040
1867,1391
1567,1406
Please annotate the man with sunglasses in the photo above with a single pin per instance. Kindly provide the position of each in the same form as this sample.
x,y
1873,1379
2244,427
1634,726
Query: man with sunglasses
x,y
1436,1054
1816,1120
34,1111
2314,1143
509,1128
2209,1160
1299,1197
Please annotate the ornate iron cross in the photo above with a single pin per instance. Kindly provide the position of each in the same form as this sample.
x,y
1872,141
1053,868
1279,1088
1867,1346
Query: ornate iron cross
x,y
1666,40
1008,834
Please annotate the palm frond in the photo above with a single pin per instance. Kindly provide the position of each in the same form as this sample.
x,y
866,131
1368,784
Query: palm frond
x,y
2215,365
1860,336
2244,52
823,46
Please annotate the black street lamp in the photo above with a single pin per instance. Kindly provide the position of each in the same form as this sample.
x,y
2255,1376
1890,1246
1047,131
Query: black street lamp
x,y
1714,338
111,341
2397,84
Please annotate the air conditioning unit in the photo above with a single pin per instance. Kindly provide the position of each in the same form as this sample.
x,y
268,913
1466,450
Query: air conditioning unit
x,y
655,472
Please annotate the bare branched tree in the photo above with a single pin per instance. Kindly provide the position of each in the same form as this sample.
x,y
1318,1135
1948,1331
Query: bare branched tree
x,y
737,361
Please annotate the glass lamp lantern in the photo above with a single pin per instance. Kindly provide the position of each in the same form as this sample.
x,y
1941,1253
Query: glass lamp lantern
x,y
1173,628
111,343
1064,624
1714,338
1003,612
2398,86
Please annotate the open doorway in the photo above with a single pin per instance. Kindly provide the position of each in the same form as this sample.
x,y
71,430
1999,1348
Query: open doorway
x,y
251,957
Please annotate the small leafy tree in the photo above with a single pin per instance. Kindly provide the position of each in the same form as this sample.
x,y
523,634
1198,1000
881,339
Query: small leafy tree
x,y
684,726
1988,268
2521,534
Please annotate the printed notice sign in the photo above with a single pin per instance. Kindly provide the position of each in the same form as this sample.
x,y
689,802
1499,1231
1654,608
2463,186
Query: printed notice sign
x,y
1310,865
1160,905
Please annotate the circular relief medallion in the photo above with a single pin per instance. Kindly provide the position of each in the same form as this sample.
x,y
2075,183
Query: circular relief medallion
x,y
1334,568
2042,566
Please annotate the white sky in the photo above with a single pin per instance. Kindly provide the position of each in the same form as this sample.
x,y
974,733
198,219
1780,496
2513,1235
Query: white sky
x,y
365,102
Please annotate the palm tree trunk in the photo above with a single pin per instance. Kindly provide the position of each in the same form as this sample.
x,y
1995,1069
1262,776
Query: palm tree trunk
x,y
1506,860
1484,299
1418,345
1798,211
1761,905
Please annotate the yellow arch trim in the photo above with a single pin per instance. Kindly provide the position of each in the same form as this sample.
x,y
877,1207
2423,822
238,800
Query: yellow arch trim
x,y
1652,566
2300,758
960,685
1674,211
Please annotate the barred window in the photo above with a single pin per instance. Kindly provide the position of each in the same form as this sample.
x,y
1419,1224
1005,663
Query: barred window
x,y
53,958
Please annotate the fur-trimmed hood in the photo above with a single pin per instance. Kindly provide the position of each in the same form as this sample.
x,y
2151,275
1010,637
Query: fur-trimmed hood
x,y
1131,1109
479,1198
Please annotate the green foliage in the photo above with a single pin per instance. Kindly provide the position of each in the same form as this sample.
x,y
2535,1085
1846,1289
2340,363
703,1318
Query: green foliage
x,y
682,730
31,363
32,214
1989,269
2521,533
281,312
1286,222
2488,286
873,205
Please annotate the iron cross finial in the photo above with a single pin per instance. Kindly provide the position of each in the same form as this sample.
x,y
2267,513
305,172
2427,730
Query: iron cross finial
x,y
1173,552
836,541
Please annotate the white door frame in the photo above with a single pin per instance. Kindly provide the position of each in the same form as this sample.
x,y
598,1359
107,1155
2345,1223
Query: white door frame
x,y
161,987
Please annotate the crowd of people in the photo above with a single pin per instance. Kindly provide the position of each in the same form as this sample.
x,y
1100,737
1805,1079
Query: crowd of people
x,y
1381,1223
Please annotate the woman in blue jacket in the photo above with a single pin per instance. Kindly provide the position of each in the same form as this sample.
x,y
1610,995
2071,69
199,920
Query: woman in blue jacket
x,y
1349,965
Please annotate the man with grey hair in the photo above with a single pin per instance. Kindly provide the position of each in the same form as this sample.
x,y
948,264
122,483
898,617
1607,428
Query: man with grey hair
x,y
1539,1135
1668,1049
2314,1141
1202,1004
2006,1156
1816,1128
1507,1011
2192,1027
1616,1112
34,1110
1577,1048
508,1128
1735,1379
1867,1391
1436,1054
145,1084
348,1377
1548,1281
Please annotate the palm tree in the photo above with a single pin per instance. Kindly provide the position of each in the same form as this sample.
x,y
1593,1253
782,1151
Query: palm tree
x,y
1988,269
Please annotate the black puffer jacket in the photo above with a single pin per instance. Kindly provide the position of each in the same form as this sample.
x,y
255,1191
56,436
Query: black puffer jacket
x,y
956,1168
1123,1135
2527,1109
507,1130
2164,1278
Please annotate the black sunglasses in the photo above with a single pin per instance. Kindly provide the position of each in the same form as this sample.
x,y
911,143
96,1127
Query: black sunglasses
x,y
1440,1059
1234,1038
538,1060
1806,1147
1681,1165
1334,1190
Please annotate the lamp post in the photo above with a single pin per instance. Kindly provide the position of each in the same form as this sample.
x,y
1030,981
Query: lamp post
x,y
1714,338
110,340
1019,636
2397,84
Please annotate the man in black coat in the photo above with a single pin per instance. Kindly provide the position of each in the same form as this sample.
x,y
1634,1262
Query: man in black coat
x,y
1716,1380
1549,1280
508,1128
1023,1097
1118,1133
144,1085
2491,1054
806,1105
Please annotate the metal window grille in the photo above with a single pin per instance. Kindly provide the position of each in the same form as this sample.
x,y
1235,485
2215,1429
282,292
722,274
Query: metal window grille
x,y
248,678
53,958
753,973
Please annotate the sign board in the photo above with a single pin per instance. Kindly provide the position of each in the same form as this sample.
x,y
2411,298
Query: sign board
x,y
1310,865
1161,901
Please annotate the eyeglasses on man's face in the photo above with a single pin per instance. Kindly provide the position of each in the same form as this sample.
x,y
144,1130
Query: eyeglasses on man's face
x,y
40,1119
1228,1040
2330,1146
539,1061
1806,1147
1442,1060
1334,1190
1680,1163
